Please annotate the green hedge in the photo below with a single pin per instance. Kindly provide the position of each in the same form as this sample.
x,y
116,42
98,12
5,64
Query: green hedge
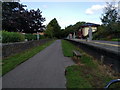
x,y
42,36
18,37
33,37
30,37
12,37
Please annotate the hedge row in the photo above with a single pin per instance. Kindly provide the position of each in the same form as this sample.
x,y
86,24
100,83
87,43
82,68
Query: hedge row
x,y
12,37
33,37
18,37
30,37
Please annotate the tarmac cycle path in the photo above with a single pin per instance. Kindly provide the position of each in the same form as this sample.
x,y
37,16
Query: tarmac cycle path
x,y
44,70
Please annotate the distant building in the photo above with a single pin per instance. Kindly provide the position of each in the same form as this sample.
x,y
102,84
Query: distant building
x,y
84,29
40,33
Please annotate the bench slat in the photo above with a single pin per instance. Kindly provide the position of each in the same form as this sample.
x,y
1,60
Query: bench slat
x,y
77,53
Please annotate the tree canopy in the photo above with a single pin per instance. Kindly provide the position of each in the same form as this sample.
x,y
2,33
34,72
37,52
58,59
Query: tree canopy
x,y
16,19
110,18
53,29
110,27
72,28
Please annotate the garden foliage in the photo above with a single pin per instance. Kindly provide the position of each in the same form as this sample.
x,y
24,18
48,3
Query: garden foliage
x,y
12,37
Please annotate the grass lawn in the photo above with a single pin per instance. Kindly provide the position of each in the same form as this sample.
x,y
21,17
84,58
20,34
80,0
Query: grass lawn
x,y
116,39
67,48
13,61
87,73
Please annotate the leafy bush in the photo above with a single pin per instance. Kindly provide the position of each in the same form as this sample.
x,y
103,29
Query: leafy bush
x,y
18,37
12,37
42,36
105,32
101,33
33,37
116,39
30,37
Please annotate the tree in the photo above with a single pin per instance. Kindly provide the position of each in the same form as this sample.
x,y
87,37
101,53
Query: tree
x,y
49,31
9,10
17,19
34,20
110,18
111,23
53,29
110,14
0,17
72,28
77,26
69,29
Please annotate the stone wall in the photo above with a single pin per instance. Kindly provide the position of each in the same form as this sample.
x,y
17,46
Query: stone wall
x,y
13,48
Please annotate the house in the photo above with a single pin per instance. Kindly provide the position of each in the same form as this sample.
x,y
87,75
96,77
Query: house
x,y
40,33
84,30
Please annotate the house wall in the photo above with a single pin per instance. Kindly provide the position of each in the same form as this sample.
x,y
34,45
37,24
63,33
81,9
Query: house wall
x,y
85,30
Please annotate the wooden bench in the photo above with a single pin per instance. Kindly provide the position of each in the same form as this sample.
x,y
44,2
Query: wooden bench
x,y
77,54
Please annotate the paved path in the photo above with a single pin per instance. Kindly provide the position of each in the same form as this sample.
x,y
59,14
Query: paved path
x,y
44,70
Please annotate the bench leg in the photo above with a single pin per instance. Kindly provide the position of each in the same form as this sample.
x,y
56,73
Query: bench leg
x,y
78,57
73,54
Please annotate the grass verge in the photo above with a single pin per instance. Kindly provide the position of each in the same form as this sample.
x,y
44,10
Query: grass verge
x,y
13,61
67,48
88,72
116,39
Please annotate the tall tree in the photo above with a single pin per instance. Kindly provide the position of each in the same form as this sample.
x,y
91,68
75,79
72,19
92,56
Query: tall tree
x,y
0,15
17,19
34,20
49,31
110,18
110,14
111,23
53,29
72,28
9,10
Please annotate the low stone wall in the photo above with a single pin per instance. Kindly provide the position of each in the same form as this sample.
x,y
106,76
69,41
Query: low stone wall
x,y
13,48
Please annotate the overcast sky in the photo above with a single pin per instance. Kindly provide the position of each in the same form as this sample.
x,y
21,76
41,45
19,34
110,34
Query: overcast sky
x,y
68,13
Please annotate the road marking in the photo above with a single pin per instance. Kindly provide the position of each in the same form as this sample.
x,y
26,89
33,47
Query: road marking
x,y
101,43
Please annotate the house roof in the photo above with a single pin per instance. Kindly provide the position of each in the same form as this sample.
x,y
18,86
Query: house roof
x,y
90,24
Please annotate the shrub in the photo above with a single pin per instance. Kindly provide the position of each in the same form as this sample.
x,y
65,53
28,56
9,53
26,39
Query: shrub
x,y
30,37
12,37
33,37
42,36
